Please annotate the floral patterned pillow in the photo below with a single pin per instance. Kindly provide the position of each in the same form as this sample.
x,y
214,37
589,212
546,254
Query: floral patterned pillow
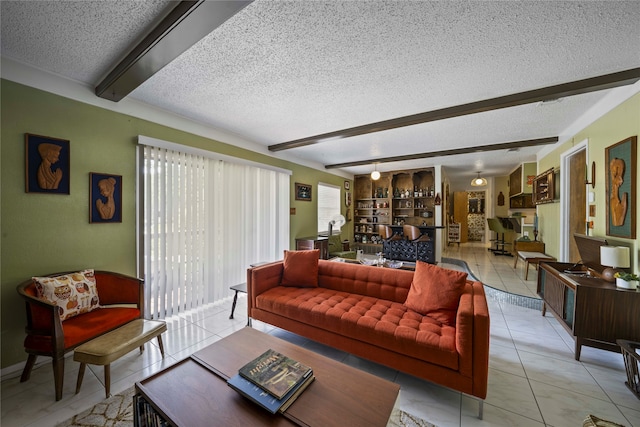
x,y
73,293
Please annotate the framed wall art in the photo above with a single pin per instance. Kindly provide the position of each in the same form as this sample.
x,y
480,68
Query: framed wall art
x,y
303,192
47,165
105,200
620,167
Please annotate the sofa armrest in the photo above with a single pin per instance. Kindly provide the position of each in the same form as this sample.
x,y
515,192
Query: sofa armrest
x,y
261,279
116,288
472,336
43,317
481,334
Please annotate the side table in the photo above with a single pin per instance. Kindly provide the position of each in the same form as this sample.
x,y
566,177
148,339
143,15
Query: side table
x,y
241,287
532,258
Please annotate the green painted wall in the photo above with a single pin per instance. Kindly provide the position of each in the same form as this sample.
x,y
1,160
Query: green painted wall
x,y
613,127
44,233
501,184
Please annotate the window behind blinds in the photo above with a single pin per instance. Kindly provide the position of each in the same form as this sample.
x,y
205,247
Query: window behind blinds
x,y
328,206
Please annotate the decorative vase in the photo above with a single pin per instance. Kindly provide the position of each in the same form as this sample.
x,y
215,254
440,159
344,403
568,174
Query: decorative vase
x,y
631,284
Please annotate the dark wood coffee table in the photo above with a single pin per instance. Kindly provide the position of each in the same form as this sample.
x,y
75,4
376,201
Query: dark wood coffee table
x,y
194,392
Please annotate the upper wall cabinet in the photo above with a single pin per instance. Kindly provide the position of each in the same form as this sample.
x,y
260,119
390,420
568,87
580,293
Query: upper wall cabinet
x,y
521,179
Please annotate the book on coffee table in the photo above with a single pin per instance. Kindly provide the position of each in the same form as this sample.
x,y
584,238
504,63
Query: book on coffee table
x,y
264,399
275,373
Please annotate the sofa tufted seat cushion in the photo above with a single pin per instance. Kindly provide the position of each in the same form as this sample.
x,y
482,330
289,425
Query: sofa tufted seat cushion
x,y
377,321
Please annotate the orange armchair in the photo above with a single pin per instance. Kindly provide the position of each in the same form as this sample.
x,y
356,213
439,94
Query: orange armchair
x,y
121,300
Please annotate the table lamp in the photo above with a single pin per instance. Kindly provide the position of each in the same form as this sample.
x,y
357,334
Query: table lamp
x,y
613,257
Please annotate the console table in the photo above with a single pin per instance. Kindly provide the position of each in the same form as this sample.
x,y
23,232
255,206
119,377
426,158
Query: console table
x,y
595,312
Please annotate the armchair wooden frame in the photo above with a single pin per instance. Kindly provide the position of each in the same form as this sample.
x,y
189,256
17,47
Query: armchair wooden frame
x,y
45,326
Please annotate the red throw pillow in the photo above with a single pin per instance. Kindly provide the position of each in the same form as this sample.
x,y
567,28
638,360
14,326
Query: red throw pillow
x,y
301,268
436,291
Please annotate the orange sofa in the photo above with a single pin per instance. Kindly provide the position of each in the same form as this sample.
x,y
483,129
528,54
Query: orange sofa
x,y
361,310
121,300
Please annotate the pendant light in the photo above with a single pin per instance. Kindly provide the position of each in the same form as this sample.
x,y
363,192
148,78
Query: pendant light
x,y
478,182
375,175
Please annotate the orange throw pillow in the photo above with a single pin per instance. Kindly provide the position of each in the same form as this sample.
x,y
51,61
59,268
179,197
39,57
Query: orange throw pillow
x,y
436,291
301,268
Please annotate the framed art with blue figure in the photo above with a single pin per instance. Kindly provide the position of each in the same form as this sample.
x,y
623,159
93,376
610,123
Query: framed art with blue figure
x,y
621,181
105,201
47,165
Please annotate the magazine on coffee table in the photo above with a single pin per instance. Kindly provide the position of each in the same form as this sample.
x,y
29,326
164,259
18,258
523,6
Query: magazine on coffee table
x,y
275,373
266,400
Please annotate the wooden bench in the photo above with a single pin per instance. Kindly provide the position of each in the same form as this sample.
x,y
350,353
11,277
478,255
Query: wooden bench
x,y
531,258
111,346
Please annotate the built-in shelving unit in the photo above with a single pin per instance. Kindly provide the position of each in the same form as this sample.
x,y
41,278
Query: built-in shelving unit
x,y
397,198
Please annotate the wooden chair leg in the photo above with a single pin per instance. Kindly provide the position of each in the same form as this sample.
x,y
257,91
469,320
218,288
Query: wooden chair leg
x,y
58,375
26,372
83,366
107,379
526,271
161,345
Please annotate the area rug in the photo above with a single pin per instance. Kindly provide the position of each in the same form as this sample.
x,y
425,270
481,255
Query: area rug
x,y
117,411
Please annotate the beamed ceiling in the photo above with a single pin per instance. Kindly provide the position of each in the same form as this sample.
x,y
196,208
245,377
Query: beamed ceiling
x,y
341,85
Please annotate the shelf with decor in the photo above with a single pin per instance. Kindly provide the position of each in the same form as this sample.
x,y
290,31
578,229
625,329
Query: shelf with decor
x,y
413,197
544,187
372,207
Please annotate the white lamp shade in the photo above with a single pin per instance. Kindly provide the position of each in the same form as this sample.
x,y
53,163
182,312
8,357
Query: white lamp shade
x,y
375,175
478,182
614,256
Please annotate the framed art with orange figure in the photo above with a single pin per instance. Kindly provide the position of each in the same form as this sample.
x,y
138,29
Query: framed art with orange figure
x,y
621,181
105,200
47,165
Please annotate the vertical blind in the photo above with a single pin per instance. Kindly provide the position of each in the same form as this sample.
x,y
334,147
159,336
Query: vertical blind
x,y
204,221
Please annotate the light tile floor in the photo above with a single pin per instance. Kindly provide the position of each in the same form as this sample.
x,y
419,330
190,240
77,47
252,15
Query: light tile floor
x,y
495,270
533,377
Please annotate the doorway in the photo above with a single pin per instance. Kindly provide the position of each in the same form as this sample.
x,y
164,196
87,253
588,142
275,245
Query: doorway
x,y
476,216
573,200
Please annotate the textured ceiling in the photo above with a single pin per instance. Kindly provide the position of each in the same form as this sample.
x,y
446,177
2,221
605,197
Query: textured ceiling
x,y
282,70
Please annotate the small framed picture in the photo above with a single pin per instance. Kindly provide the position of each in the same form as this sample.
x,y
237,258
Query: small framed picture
x,y
47,165
105,200
347,185
303,192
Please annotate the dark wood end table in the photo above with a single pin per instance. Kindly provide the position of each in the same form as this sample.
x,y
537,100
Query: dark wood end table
x,y
242,287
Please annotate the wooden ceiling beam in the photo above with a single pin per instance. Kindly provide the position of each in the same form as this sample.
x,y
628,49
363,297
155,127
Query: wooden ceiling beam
x,y
453,152
183,27
578,87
